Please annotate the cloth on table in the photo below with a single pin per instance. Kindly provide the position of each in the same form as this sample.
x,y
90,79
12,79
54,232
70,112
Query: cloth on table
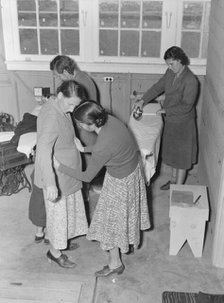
x,y
27,125
6,136
147,132
26,143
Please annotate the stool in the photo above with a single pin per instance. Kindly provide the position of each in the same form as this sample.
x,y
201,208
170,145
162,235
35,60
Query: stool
x,y
187,221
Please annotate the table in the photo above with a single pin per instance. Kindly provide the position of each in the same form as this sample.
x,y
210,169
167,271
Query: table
x,y
147,132
187,221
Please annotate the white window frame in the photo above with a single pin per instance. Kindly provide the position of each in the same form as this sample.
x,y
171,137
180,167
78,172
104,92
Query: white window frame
x,y
89,59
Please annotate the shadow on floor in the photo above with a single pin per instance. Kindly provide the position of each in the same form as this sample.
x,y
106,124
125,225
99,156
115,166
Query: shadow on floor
x,y
149,271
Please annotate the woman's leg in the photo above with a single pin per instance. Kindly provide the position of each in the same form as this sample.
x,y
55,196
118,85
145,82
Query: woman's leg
x,y
181,175
172,180
174,176
115,265
114,258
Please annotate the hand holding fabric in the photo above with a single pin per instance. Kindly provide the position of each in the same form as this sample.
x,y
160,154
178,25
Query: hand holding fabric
x,y
138,104
160,111
79,145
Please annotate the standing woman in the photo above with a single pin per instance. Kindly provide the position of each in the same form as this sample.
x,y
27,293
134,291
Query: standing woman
x,y
121,211
64,204
179,141
65,68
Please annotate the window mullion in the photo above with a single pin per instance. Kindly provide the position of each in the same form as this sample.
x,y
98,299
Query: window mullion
x,y
59,26
119,29
140,28
38,26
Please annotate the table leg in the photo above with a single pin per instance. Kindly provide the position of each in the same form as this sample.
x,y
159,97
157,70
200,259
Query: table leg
x,y
13,180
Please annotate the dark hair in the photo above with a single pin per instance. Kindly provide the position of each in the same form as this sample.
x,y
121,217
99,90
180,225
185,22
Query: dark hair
x,y
61,63
90,112
176,53
70,88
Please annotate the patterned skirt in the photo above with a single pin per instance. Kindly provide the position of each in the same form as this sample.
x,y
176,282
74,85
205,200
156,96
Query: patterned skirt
x,y
66,219
121,212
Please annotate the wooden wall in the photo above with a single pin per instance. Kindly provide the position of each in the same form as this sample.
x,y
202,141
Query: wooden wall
x,y
211,129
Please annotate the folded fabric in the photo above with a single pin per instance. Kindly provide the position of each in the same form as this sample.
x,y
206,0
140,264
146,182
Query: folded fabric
x,y
209,298
178,297
185,297
27,125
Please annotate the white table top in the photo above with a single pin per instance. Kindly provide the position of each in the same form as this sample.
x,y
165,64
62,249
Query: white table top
x,y
147,132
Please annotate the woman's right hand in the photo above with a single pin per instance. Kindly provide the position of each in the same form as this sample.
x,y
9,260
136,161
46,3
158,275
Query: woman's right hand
x,y
79,145
138,104
52,193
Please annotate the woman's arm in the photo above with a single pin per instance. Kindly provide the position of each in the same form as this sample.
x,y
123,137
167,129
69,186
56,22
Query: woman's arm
x,y
188,98
96,162
47,136
153,92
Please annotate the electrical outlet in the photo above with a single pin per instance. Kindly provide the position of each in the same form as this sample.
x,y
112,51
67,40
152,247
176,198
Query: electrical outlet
x,y
41,91
108,79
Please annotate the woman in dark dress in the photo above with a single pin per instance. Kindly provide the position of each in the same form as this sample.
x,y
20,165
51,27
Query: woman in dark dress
x,y
179,141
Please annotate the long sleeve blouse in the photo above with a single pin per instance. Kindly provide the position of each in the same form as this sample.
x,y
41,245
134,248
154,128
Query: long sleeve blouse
x,y
115,148
180,95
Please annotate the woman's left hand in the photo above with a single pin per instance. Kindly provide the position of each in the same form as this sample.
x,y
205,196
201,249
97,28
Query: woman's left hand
x,y
79,145
160,111
56,162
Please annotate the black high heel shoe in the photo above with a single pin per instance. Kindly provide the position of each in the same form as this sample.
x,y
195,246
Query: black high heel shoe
x,y
106,271
62,261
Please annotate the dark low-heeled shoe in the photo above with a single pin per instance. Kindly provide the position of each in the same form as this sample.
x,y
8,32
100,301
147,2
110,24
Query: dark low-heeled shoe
x,y
62,261
38,239
106,271
166,186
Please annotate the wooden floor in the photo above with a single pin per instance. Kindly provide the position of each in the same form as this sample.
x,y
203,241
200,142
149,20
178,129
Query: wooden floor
x,y
45,288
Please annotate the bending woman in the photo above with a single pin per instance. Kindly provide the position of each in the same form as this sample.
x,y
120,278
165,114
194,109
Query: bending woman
x,y
122,207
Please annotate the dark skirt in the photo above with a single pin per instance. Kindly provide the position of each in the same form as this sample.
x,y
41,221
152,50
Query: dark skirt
x,y
37,212
179,144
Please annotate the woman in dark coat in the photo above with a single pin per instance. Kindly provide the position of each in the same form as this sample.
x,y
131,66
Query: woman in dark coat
x,y
179,142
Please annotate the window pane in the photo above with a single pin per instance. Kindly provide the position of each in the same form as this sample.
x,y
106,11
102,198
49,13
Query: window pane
x,y
28,41
152,14
26,5
191,43
108,12
26,13
49,41
108,42
130,13
70,42
192,15
69,13
129,43
151,43
27,19
47,19
47,5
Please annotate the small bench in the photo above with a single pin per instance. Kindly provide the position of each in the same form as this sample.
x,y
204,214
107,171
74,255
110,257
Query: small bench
x,y
187,220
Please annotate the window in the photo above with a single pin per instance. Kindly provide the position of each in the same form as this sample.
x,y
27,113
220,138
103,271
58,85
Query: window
x,y
104,35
